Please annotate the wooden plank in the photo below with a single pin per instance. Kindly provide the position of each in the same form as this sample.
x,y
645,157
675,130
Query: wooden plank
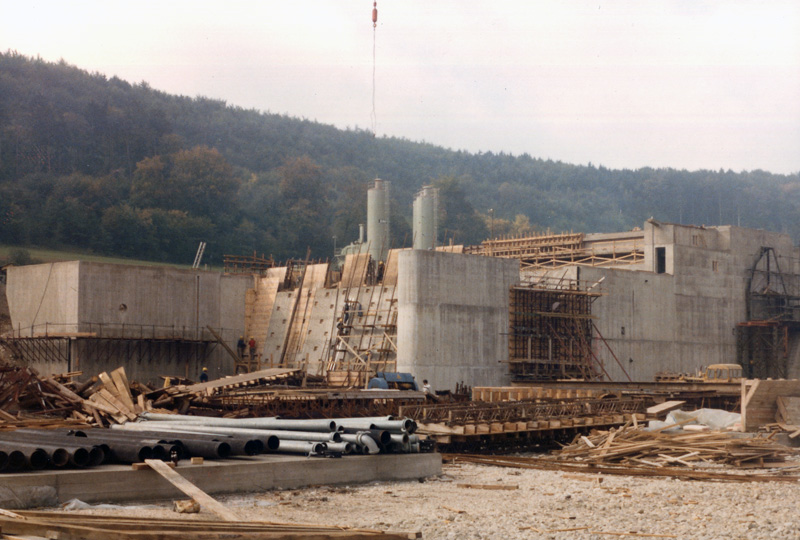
x,y
120,381
500,487
192,490
664,408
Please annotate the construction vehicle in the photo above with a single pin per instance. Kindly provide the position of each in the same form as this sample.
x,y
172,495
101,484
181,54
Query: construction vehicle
x,y
384,380
715,373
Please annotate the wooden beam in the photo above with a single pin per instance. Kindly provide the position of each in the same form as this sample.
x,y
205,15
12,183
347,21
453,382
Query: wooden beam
x,y
224,345
192,490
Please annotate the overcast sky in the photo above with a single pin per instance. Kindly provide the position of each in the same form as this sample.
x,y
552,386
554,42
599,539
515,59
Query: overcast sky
x,y
685,84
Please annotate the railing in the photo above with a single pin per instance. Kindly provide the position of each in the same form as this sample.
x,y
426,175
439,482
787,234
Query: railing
x,y
123,331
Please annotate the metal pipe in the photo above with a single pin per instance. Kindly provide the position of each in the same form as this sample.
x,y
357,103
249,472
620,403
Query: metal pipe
x,y
26,455
341,447
302,447
364,440
62,449
256,441
256,423
234,431
406,424
399,438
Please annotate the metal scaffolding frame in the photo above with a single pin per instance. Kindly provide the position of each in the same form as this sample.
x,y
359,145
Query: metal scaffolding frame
x,y
550,331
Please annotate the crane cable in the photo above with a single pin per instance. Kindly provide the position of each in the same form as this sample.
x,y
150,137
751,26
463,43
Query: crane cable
x,y
373,115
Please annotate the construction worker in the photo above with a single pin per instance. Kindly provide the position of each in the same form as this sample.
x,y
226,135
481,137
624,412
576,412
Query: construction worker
x,y
252,345
240,345
204,375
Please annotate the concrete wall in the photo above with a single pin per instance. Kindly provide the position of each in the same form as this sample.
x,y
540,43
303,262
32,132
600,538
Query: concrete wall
x,y
130,301
43,297
453,317
684,319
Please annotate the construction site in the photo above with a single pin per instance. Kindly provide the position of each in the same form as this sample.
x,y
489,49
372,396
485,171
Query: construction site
x,y
563,358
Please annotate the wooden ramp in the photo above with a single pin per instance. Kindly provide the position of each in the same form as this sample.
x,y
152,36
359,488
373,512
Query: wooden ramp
x,y
258,306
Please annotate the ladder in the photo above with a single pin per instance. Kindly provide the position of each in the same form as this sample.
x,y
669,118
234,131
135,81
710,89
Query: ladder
x,y
197,258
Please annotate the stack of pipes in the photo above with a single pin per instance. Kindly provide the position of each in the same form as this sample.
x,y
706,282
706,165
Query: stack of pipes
x,y
312,437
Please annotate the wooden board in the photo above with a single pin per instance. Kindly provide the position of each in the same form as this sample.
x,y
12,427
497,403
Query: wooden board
x,y
192,490
759,400
664,408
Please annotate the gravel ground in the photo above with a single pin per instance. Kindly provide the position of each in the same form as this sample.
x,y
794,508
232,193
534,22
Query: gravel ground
x,y
546,504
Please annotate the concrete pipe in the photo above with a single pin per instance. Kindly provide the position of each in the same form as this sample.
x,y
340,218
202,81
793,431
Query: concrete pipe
x,y
3,461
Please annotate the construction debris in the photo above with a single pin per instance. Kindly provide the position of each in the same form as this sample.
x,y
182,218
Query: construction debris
x,y
550,464
67,526
631,446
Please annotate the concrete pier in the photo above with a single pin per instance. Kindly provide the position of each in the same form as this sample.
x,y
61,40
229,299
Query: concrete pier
x,y
120,483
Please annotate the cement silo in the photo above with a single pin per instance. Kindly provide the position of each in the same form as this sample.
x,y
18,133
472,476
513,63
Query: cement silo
x,y
426,218
378,220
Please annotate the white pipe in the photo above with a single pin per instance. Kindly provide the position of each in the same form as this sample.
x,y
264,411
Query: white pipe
x,y
255,423
281,434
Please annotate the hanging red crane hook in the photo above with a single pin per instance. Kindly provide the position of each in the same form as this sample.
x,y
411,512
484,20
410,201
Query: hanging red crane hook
x,y
375,14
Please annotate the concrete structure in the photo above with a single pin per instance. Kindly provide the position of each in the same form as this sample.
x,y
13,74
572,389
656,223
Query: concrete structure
x,y
426,218
166,307
119,483
453,317
378,220
674,298
678,308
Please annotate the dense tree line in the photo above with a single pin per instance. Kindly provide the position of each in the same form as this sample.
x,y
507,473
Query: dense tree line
x,y
119,168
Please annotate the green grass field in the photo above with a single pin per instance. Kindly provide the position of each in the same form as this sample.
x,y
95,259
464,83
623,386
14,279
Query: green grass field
x,y
39,255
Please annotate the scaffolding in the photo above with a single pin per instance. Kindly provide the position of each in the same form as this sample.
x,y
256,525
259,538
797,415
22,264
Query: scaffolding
x,y
550,336
365,340
764,340
104,344
547,251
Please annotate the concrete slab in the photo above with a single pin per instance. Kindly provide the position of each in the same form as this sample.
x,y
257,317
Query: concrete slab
x,y
120,483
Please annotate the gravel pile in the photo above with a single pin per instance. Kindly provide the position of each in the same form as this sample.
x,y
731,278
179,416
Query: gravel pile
x,y
545,504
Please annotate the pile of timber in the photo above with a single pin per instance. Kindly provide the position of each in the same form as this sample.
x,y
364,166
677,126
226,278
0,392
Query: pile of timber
x,y
632,445
30,400
70,526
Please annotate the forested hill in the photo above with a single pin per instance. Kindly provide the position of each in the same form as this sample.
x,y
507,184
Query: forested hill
x,y
123,169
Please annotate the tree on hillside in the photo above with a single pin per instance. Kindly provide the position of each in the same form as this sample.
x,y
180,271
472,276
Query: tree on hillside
x,y
460,221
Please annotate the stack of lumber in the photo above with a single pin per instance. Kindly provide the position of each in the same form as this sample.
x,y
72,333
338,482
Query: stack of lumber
x,y
634,446
70,526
